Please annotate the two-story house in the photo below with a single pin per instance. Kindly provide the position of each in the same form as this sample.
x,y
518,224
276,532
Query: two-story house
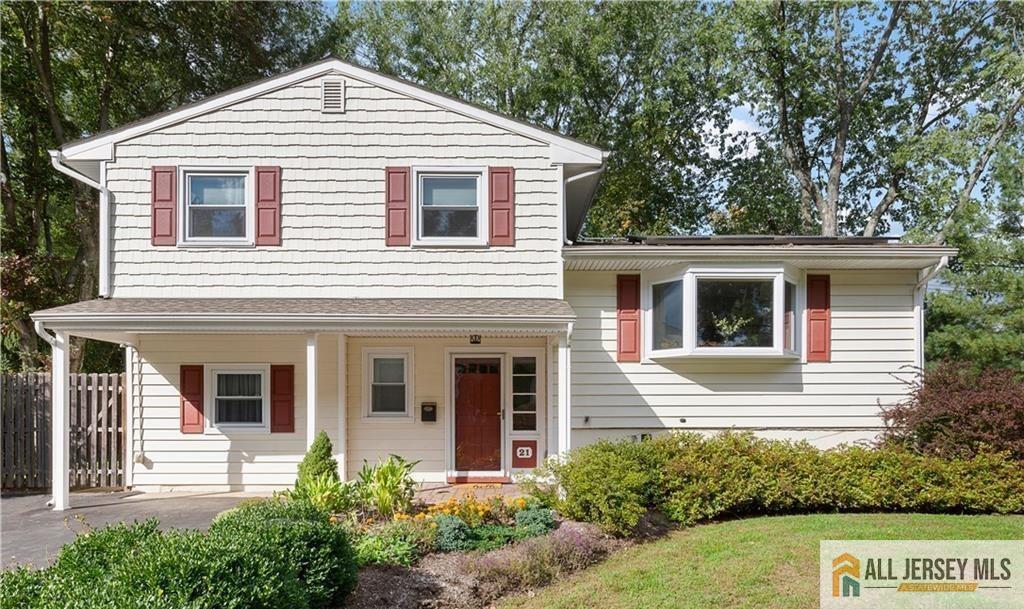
x,y
335,249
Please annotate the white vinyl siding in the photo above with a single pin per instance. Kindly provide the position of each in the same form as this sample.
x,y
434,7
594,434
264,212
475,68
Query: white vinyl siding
x,y
872,348
332,198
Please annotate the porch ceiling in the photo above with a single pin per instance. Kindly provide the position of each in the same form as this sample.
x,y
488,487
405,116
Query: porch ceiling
x,y
117,318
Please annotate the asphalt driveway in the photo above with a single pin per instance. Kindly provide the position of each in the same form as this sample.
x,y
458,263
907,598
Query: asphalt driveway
x,y
32,533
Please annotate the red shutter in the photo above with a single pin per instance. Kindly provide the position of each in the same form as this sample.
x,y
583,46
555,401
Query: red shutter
x,y
627,318
268,206
502,197
396,206
163,222
191,386
282,398
819,321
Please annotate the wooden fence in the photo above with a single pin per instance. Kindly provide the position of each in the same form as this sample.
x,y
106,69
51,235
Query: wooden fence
x,y
96,411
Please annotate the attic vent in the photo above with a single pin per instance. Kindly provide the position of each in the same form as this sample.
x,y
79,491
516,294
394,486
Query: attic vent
x,y
333,96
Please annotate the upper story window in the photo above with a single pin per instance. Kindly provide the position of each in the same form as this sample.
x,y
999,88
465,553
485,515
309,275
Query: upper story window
x,y
726,311
217,207
450,207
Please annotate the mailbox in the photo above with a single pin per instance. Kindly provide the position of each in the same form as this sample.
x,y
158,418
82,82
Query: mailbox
x,y
428,412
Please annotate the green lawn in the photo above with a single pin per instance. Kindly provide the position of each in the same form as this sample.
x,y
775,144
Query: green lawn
x,y
763,563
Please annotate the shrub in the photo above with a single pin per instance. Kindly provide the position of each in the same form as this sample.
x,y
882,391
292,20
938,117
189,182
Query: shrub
x,y
608,483
453,535
475,512
320,551
492,536
136,566
954,410
326,493
534,520
540,560
700,477
387,488
319,461
378,549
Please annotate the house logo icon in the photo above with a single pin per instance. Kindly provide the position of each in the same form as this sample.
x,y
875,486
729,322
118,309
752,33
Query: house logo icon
x,y
845,575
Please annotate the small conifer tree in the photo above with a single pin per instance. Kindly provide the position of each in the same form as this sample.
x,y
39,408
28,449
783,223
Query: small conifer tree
x,y
319,460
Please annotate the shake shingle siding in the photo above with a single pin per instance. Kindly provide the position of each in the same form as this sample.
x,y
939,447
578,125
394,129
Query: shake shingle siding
x,y
332,172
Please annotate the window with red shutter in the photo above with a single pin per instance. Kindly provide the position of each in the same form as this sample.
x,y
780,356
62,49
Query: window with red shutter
x,y
819,322
627,316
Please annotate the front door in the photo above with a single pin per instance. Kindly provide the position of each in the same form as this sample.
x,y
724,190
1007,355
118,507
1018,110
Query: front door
x,y
477,414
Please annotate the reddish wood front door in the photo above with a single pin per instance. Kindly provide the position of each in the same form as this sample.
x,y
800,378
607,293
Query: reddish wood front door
x,y
478,414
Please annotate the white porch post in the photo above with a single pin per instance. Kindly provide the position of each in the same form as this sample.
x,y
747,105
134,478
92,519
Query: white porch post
x,y
342,397
311,389
60,422
564,392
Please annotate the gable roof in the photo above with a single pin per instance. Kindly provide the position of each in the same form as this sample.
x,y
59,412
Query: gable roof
x,y
564,149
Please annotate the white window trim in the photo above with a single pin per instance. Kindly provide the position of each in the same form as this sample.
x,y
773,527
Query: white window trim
x,y
538,400
406,354
210,391
183,208
689,275
483,209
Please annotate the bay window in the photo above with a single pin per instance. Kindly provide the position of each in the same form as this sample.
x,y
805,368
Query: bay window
x,y
728,311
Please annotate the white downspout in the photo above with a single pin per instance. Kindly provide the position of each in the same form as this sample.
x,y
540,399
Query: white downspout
x,y
919,292
57,160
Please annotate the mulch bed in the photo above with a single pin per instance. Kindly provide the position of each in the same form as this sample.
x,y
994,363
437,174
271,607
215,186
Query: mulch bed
x,y
440,581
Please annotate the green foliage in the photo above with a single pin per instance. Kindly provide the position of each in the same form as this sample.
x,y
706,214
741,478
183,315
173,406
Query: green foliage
x,y
387,488
535,520
453,535
326,492
319,461
136,567
396,542
319,551
699,478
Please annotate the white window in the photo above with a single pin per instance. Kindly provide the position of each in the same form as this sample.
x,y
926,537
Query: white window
x,y
450,207
524,394
388,387
216,206
725,311
239,396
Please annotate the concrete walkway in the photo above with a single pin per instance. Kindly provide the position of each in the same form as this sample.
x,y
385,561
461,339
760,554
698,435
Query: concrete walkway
x,y
32,533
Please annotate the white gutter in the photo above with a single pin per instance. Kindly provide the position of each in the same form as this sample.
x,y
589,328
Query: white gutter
x,y
41,331
586,174
928,276
919,292
655,252
57,160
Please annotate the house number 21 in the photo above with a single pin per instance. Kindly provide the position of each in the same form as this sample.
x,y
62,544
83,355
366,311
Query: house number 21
x,y
524,452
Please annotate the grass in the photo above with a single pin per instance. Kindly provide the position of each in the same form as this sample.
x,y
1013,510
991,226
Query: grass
x,y
763,563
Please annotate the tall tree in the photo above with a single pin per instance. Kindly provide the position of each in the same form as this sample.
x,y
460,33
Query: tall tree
x,y
640,79
72,69
861,97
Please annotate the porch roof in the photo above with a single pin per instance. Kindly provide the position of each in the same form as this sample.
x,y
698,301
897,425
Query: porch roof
x,y
103,318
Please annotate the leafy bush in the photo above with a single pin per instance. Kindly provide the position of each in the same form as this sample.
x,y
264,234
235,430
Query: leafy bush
x,y
700,477
319,461
326,493
535,520
396,542
954,410
540,560
135,567
378,549
475,512
387,488
453,535
608,483
320,552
